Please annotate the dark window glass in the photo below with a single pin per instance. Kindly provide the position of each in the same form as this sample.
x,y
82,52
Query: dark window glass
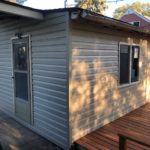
x,y
21,85
137,24
20,57
135,64
124,63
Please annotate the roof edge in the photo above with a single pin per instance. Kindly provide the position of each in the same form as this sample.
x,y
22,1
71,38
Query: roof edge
x,y
82,13
18,10
88,15
21,6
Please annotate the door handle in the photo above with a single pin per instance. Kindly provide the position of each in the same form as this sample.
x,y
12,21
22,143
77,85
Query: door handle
x,y
12,77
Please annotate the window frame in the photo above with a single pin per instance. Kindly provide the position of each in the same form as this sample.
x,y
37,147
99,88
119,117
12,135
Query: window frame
x,y
130,64
132,23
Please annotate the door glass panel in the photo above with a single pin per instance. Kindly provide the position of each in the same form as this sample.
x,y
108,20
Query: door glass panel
x,y
21,86
20,57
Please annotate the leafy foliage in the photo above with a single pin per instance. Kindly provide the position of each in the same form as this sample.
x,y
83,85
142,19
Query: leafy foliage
x,y
141,8
98,6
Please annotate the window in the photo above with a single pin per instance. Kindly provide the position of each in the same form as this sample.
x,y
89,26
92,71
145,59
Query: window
x,y
129,64
135,23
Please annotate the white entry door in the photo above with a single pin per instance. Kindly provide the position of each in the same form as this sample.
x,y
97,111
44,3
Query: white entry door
x,y
21,71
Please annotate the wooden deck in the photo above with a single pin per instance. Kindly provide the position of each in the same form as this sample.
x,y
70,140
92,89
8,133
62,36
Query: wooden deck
x,y
106,138
14,136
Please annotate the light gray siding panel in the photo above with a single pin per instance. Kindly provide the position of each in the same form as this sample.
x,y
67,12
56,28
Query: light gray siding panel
x,y
47,91
53,48
49,72
6,92
53,61
49,100
57,55
49,67
51,134
52,116
50,80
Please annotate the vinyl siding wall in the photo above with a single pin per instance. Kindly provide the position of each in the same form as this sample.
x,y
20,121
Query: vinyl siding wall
x,y
148,72
49,73
95,95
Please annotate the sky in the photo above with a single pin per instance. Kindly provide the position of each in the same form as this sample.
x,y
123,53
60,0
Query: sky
x,y
51,4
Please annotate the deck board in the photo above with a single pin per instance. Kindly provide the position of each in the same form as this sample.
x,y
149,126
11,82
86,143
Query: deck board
x,y
137,121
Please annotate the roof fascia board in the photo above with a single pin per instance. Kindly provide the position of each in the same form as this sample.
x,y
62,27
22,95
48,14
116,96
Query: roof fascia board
x,y
106,20
109,21
19,11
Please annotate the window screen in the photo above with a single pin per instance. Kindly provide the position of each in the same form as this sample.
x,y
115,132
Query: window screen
x,y
124,63
135,64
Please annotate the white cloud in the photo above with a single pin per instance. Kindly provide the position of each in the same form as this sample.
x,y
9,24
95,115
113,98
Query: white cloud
x,y
45,4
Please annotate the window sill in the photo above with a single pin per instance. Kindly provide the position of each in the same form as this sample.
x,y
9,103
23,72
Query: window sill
x,y
128,85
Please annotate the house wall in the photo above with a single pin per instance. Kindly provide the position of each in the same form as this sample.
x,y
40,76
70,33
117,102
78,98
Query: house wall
x,y
148,72
49,73
96,98
133,17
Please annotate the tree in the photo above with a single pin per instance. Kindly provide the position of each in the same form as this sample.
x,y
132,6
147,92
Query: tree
x,y
98,6
141,8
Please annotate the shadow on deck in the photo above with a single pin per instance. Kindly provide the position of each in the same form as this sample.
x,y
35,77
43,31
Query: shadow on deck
x,y
14,136
106,138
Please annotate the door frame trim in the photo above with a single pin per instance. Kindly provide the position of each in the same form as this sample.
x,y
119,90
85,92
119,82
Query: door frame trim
x,y
30,74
